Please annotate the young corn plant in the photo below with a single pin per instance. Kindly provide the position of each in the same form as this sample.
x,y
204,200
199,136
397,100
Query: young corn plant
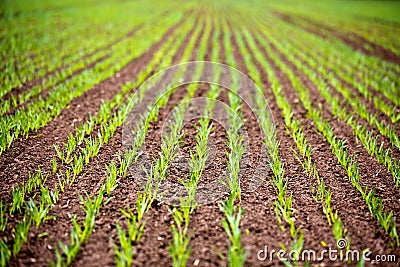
x,y
5,252
80,234
70,147
125,162
21,234
18,199
26,188
68,252
111,180
349,163
54,164
38,214
283,205
232,213
155,175
367,138
59,152
179,248
3,216
231,225
92,148
135,225
77,167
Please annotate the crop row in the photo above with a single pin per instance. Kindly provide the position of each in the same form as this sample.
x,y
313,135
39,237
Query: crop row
x,y
57,54
333,36
366,137
108,124
236,149
145,198
374,32
39,113
348,162
294,129
336,67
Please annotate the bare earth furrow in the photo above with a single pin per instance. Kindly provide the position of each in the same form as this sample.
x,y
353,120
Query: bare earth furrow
x,y
345,198
38,150
354,41
199,133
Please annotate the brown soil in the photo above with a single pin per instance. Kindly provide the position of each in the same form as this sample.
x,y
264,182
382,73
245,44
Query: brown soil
x,y
369,104
364,228
351,39
40,251
45,165
343,131
38,150
375,91
109,214
45,93
209,241
309,216
383,118
36,81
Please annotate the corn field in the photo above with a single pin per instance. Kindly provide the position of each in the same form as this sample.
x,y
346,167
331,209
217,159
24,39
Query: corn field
x,y
199,133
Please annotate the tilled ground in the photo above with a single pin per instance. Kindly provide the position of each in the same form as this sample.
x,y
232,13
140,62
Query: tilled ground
x,y
209,241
